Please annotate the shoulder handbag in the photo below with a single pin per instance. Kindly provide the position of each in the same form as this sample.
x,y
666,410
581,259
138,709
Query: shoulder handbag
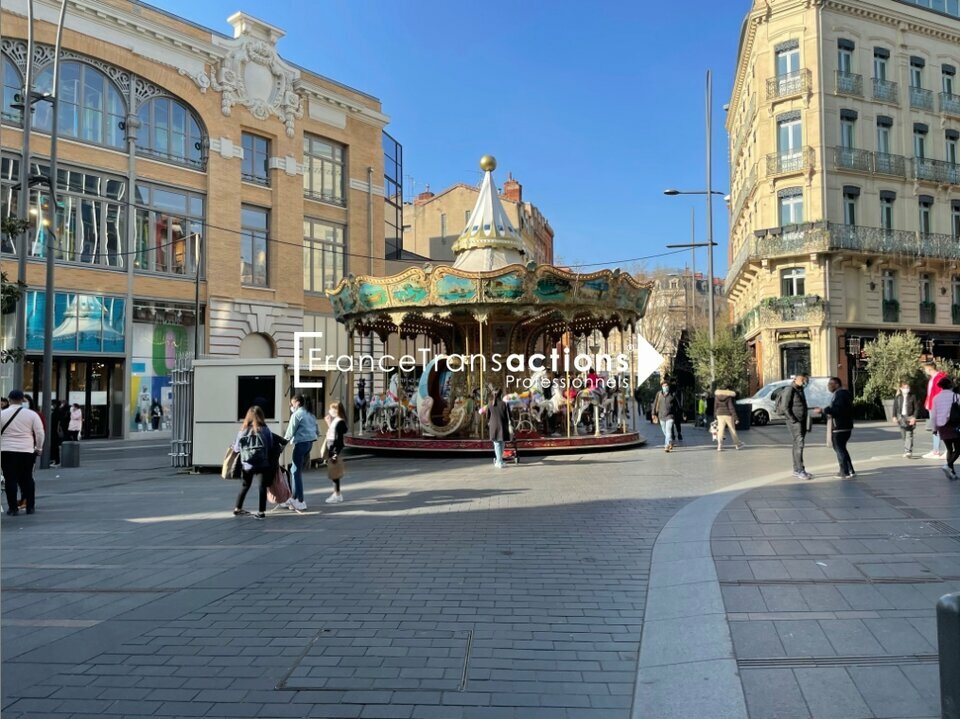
x,y
231,465
7,423
279,490
335,468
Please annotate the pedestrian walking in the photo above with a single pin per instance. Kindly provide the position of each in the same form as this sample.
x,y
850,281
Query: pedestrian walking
x,y
302,431
701,420
905,416
946,422
793,401
333,448
665,411
933,389
255,445
841,412
498,424
75,425
678,418
726,417
21,440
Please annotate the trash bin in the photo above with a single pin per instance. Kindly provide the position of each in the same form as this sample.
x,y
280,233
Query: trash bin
x,y
743,417
70,454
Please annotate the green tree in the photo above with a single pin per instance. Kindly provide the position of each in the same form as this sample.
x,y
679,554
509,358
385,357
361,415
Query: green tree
x,y
891,359
731,358
10,292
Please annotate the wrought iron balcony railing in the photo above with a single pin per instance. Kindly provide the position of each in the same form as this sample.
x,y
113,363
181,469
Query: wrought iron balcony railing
x,y
950,103
782,163
945,173
891,311
921,99
789,84
928,313
802,308
880,163
745,191
832,237
884,90
746,125
849,83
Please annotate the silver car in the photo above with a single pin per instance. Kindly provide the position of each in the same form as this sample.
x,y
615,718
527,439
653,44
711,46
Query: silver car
x,y
763,404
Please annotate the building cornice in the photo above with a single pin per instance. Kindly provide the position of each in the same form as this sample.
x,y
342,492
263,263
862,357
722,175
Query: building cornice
x,y
900,19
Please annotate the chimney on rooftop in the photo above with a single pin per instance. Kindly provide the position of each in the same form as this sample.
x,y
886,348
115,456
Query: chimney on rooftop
x,y
512,190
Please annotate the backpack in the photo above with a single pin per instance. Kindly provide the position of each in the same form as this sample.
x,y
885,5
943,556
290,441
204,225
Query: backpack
x,y
253,450
954,419
781,406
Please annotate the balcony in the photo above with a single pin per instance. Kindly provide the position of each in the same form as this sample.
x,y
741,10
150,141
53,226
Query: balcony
x,y
788,85
848,83
746,127
817,237
950,103
928,313
944,173
848,158
885,91
886,164
802,308
921,99
891,311
783,163
745,191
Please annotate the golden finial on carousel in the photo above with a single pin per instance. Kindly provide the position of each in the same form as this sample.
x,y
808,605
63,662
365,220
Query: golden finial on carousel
x,y
488,163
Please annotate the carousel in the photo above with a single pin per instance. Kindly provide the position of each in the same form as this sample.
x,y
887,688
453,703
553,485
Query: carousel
x,y
556,344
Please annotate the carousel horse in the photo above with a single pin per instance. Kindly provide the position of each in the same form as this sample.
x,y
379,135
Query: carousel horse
x,y
461,415
584,403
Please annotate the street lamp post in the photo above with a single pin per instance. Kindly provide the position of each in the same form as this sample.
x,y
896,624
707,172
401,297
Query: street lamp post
x,y
709,192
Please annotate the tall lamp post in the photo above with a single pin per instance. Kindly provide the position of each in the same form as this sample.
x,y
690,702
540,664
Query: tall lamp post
x,y
709,192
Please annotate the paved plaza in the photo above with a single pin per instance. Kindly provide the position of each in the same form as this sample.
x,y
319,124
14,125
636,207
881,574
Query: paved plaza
x,y
614,585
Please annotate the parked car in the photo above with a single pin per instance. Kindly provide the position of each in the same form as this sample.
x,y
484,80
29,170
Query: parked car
x,y
763,404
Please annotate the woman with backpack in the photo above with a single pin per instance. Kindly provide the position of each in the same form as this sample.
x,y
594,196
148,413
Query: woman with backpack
x,y
333,448
255,445
945,417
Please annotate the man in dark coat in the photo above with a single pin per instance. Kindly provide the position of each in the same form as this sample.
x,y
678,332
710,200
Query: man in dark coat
x,y
665,411
498,422
841,411
794,403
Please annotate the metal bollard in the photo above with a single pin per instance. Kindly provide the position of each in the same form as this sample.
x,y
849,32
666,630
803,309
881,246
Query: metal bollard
x,y
948,642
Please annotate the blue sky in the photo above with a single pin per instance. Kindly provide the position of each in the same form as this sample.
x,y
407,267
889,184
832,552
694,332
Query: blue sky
x,y
595,108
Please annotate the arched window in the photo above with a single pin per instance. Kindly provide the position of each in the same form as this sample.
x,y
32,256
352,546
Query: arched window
x,y
170,131
91,107
12,85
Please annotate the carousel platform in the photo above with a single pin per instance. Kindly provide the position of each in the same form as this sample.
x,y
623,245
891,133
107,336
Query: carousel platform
x,y
533,444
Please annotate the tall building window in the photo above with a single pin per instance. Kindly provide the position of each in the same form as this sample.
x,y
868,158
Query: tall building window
x,y
886,209
926,287
168,223
845,57
955,218
254,235
889,285
883,135
443,224
926,213
323,175
91,107
950,154
880,58
256,159
955,294
88,224
392,197
848,129
169,130
851,195
323,255
788,60
793,282
789,141
791,206
916,72
947,78
12,86
919,142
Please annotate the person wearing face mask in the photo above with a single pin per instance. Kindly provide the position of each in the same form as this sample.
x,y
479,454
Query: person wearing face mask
x,y
841,412
795,409
665,412
905,415
333,447
302,431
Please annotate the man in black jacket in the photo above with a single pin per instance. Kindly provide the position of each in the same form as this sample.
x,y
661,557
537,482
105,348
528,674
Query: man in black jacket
x,y
841,410
905,415
794,404
665,411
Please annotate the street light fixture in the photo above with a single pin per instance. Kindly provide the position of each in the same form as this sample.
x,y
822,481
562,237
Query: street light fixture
x,y
709,192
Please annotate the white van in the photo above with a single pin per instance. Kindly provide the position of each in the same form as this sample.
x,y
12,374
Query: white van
x,y
763,403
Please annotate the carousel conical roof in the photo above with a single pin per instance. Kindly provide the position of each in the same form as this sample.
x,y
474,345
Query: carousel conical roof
x,y
489,241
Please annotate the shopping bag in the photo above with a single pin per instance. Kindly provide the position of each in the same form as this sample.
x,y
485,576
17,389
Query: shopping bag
x,y
279,491
231,465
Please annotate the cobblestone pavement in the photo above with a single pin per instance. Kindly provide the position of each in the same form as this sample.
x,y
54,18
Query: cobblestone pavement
x,y
831,587
439,588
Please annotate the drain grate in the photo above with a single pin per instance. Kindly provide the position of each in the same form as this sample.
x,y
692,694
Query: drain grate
x,y
848,661
381,659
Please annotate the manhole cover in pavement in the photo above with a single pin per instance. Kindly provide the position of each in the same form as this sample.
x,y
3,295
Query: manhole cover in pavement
x,y
381,659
